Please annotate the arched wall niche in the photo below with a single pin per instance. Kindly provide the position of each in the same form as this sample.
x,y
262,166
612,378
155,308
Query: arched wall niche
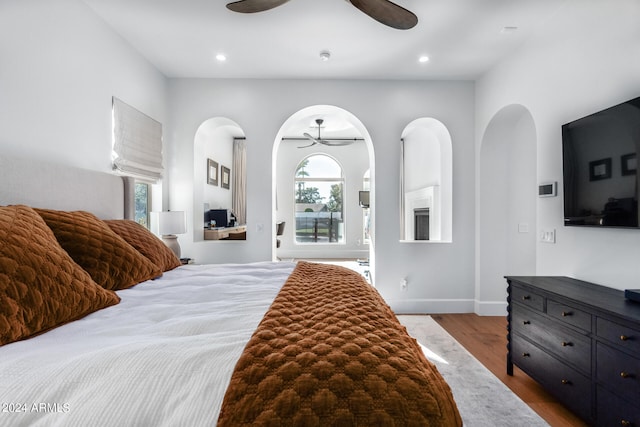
x,y
426,182
507,203
213,140
296,125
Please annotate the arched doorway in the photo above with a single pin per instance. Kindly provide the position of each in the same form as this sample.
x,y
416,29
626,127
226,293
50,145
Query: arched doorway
x,y
506,200
291,147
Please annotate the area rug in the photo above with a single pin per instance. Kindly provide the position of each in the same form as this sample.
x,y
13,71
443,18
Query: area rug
x,y
483,400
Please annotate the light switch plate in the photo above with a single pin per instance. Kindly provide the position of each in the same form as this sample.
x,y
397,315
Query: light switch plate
x,y
548,236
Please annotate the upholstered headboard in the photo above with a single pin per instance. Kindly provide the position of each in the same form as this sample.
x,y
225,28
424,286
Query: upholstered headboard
x,y
53,186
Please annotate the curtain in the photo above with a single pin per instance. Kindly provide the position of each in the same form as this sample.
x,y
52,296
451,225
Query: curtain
x,y
239,180
137,143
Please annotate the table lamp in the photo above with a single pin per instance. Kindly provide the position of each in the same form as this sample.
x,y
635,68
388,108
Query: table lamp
x,y
171,223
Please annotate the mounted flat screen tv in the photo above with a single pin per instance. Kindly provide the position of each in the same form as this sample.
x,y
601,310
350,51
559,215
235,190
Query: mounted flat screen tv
x,y
600,167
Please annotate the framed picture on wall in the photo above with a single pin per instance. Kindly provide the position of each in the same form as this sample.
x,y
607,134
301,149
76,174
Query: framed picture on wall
x,y
226,177
212,172
629,164
600,169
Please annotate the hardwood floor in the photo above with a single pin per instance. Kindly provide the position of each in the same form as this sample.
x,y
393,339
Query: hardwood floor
x,y
486,338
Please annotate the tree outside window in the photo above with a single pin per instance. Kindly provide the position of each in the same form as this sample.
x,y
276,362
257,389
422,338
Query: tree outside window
x,y
143,203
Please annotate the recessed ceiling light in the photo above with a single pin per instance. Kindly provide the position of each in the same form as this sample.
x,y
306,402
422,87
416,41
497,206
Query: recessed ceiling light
x,y
221,57
423,58
508,30
325,55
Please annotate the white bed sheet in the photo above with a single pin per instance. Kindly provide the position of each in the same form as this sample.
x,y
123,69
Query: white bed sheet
x,y
162,357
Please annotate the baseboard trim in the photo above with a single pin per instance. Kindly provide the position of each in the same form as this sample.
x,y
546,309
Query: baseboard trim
x,y
490,308
323,253
435,306
431,306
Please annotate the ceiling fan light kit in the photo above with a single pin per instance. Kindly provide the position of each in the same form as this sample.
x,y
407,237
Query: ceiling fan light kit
x,y
383,11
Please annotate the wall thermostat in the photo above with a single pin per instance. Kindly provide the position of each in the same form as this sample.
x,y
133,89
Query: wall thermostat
x,y
548,189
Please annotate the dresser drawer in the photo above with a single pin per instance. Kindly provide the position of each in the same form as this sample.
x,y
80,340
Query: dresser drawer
x,y
573,348
614,411
618,371
568,385
622,336
527,298
569,315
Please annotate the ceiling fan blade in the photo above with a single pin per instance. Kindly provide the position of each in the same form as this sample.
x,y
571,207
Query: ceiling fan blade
x,y
387,13
252,6
334,143
310,145
310,138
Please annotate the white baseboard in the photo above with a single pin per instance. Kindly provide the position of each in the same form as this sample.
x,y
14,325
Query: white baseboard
x,y
323,254
490,308
429,306
434,306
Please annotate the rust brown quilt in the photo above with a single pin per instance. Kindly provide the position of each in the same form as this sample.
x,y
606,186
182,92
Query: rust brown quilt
x,y
330,352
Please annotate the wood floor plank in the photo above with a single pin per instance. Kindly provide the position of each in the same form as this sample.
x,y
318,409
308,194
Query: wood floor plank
x,y
486,338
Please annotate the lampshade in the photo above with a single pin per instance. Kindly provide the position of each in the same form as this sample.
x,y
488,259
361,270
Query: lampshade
x,y
172,222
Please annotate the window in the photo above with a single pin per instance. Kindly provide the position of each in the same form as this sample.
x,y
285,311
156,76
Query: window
x,y
318,204
143,203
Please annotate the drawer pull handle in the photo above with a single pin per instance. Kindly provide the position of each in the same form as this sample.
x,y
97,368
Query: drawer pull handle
x,y
526,355
526,322
625,375
566,382
566,313
623,338
526,297
567,344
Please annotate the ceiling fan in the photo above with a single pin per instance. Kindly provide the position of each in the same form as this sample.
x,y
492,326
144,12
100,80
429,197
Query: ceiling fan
x,y
328,142
383,11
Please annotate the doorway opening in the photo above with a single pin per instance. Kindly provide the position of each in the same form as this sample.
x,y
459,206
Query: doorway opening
x,y
320,203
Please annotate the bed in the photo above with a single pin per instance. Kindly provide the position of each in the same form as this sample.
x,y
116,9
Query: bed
x,y
99,325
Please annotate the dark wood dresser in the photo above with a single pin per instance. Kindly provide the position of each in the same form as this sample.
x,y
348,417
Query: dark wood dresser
x,y
581,341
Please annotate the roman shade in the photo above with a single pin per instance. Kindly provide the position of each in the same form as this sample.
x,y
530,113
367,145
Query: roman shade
x,y
137,143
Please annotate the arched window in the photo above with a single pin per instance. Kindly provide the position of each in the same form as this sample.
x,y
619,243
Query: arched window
x,y
319,213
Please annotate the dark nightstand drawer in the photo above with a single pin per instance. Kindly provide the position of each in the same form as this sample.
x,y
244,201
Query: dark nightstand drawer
x,y
527,298
614,411
619,371
573,348
569,315
567,384
622,336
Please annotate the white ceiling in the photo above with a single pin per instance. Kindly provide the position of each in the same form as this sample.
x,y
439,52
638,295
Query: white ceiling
x,y
463,38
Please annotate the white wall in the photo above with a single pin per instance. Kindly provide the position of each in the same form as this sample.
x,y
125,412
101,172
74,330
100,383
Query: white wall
x,y
585,59
60,67
440,276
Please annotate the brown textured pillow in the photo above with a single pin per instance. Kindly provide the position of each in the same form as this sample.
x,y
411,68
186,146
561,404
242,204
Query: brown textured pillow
x,y
108,258
145,242
41,287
